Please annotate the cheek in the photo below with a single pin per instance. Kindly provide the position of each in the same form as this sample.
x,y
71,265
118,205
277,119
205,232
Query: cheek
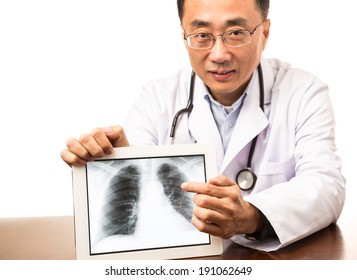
x,y
248,58
198,63
245,58
196,59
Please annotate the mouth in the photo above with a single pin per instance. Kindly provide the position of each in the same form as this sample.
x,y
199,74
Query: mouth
x,y
221,75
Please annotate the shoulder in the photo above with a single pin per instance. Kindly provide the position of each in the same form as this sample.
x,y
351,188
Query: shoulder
x,y
296,92
165,93
284,74
170,83
287,84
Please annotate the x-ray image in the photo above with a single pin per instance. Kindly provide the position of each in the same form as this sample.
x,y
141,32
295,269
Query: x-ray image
x,y
138,204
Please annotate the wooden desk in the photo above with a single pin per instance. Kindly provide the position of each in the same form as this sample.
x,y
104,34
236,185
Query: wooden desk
x,y
52,238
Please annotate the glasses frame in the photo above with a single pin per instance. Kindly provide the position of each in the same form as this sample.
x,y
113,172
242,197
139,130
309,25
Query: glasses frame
x,y
223,35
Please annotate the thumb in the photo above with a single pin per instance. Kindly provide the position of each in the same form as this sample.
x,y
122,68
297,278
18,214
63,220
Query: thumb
x,y
116,136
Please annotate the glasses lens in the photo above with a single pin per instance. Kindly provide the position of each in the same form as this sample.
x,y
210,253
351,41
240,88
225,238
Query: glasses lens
x,y
236,38
200,40
233,38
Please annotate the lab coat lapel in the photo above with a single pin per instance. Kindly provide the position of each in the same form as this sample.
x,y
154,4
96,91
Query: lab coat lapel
x,y
251,122
202,125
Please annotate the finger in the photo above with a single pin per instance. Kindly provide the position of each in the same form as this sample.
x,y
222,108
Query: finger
x,y
71,159
100,136
206,214
205,226
212,209
205,201
204,188
78,150
213,223
92,147
117,136
222,181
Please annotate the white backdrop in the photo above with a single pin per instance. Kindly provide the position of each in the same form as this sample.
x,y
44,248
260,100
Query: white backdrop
x,y
71,65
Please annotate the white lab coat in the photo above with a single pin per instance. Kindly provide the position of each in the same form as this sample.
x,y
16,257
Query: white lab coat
x,y
300,188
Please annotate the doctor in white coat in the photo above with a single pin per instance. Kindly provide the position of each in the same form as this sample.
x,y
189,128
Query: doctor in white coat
x,y
299,188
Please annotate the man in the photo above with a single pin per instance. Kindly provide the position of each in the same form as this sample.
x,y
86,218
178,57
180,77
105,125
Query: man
x,y
299,188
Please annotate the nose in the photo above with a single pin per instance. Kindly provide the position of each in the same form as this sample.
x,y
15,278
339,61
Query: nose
x,y
220,52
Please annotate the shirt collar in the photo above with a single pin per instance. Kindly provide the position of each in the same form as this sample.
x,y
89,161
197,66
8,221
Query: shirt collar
x,y
208,96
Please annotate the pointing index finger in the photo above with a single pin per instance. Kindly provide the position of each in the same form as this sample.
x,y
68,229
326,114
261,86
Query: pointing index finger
x,y
203,188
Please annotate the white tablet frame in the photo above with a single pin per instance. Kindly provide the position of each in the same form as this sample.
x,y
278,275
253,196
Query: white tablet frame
x,y
82,216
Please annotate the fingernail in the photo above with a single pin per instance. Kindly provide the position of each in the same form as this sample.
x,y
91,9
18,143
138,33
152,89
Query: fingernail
x,y
215,180
184,186
109,150
108,130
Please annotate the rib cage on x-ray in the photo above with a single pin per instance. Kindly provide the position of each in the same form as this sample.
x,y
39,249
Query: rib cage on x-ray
x,y
171,178
121,197
121,206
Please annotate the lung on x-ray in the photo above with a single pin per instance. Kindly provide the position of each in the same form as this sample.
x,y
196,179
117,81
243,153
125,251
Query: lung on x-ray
x,y
135,203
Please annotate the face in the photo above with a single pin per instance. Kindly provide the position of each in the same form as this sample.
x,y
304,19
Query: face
x,y
225,70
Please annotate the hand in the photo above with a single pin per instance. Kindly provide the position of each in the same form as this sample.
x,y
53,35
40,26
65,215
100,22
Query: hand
x,y
98,143
220,209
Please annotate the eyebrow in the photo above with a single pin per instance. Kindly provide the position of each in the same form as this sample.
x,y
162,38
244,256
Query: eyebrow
x,y
231,22
236,21
200,23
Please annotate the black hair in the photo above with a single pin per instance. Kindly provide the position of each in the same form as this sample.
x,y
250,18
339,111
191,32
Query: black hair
x,y
263,6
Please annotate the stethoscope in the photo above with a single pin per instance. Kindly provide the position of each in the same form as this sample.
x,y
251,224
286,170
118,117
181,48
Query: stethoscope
x,y
246,178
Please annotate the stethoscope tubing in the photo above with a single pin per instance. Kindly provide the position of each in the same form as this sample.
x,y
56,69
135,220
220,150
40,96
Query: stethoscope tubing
x,y
188,108
246,178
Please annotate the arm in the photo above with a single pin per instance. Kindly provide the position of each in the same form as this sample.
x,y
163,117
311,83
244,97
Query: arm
x,y
311,197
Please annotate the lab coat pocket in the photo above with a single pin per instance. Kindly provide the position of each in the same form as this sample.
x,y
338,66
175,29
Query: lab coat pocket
x,y
272,173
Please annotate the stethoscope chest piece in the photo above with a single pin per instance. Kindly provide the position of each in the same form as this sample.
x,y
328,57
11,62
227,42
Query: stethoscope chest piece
x,y
246,179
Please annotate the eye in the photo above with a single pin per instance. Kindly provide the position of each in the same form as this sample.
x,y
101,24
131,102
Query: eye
x,y
201,37
235,33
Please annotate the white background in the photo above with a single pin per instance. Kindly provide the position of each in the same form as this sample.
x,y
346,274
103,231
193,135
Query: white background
x,y
67,67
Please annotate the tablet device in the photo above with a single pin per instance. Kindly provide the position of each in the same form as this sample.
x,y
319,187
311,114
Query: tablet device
x,y
130,205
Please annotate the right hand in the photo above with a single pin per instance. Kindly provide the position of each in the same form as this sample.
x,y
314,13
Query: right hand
x,y
98,143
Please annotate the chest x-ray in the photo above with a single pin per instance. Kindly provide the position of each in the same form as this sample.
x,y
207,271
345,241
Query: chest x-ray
x,y
138,204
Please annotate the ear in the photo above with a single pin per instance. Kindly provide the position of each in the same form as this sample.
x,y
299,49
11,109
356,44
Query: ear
x,y
184,40
266,32
183,36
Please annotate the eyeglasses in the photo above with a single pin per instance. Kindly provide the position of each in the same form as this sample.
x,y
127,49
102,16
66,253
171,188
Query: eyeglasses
x,y
232,38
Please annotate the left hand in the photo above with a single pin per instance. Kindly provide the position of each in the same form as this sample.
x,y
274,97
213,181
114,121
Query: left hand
x,y
220,209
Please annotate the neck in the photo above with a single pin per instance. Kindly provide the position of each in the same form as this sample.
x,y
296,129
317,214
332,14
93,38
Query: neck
x,y
228,98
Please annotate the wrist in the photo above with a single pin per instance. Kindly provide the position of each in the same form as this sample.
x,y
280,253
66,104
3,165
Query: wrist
x,y
257,220
258,225
264,231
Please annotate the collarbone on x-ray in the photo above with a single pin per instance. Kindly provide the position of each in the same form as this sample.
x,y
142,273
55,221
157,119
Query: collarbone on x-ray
x,y
142,199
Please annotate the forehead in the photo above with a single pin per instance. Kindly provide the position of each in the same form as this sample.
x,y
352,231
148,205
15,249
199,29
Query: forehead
x,y
220,13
